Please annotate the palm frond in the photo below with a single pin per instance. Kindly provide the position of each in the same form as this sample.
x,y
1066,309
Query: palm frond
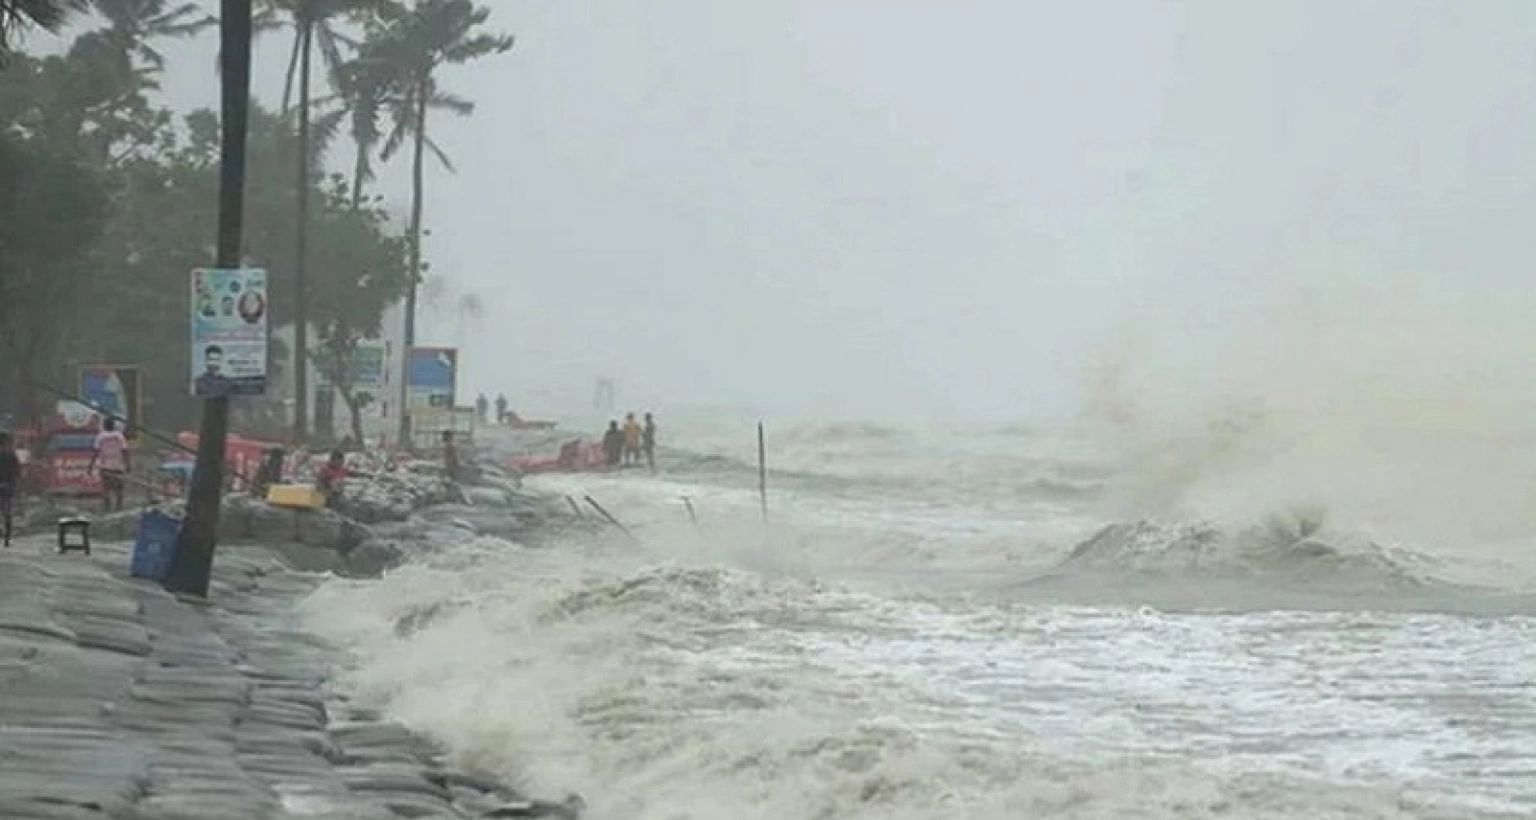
x,y
48,15
185,20
323,131
445,101
403,127
268,19
331,44
442,156
482,45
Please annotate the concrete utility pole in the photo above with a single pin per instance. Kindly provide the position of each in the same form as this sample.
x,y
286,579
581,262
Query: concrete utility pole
x,y
193,564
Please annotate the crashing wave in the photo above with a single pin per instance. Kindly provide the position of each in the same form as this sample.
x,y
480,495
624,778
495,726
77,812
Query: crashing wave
x,y
835,432
1295,548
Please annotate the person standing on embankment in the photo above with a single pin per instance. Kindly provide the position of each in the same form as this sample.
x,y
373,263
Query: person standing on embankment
x,y
631,440
613,445
648,441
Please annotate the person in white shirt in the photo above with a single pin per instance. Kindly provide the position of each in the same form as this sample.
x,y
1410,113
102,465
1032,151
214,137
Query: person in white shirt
x,y
114,462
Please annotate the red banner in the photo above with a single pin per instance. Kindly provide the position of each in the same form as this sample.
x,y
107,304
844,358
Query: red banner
x,y
69,442
66,473
242,456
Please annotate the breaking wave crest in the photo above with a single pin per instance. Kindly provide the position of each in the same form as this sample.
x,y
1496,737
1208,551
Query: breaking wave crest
x,y
1275,549
1282,563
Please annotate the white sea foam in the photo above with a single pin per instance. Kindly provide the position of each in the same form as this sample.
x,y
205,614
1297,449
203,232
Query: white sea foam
x,y
870,658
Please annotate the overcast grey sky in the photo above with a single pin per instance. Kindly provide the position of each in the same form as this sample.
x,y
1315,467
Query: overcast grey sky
x,y
896,208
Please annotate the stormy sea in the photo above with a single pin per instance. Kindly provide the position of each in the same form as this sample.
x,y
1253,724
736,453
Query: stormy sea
x,y
989,622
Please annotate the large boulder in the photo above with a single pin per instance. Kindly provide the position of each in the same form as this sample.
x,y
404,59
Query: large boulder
x,y
392,496
372,558
250,520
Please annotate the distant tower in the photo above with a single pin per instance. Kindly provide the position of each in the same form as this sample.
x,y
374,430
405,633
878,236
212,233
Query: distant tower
x,y
604,396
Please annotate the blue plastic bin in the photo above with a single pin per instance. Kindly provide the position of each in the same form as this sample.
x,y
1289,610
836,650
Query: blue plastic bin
x,y
154,546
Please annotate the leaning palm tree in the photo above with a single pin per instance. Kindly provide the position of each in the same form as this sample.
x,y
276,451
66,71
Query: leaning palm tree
x,y
367,91
363,90
414,45
49,15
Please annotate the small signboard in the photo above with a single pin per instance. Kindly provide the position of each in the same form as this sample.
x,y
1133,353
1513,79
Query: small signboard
x,y
428,426
367,370
229,332
431,378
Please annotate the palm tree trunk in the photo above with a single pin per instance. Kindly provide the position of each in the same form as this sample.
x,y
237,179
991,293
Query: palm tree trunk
x,y
355,411
423,91
26,359
293,67
359,168
301,247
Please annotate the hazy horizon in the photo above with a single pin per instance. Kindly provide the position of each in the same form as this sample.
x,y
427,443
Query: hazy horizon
x,y
913,211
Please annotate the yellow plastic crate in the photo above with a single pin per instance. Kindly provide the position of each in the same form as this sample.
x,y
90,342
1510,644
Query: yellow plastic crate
x,y
297,496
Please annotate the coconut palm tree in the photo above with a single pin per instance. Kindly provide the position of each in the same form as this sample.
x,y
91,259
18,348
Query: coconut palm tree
x,y
367,90
363,90
314,23
48,15
414,44
325,19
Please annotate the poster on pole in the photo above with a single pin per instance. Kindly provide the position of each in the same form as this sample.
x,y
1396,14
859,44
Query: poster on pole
x,y
431,377
114,390
229,332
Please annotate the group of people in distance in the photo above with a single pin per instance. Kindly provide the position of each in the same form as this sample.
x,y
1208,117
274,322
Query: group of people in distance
x,y
483,408
625,446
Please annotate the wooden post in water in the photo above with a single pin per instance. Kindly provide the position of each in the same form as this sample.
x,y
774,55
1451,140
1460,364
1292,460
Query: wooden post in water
x,y
614,521
762,469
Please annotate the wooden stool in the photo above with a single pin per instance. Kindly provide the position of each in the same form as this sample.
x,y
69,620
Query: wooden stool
x,y
75,534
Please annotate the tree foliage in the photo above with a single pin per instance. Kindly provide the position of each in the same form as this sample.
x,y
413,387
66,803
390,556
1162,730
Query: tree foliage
x,y
107,197
107,202
366,272
52,209
16,15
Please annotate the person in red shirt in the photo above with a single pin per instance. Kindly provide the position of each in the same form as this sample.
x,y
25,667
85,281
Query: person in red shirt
x,y
332,473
